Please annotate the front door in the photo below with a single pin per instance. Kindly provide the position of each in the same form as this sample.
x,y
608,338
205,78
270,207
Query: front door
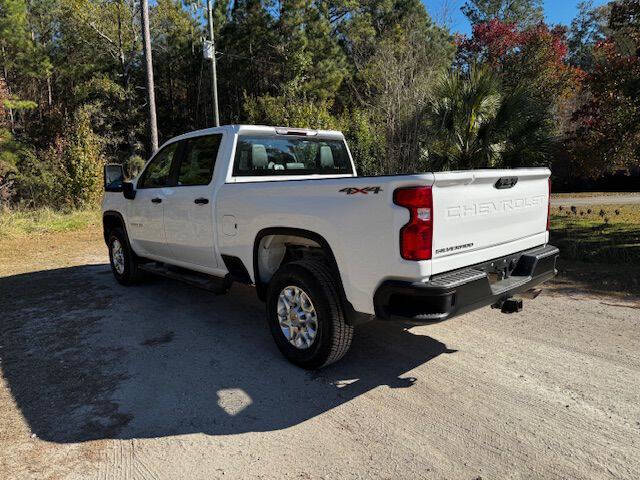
x,y
188,213
146,210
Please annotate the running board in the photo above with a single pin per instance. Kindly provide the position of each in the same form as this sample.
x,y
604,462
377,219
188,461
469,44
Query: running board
x,y
217,285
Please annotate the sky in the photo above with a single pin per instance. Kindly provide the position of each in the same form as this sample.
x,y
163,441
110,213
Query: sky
x,y
558,11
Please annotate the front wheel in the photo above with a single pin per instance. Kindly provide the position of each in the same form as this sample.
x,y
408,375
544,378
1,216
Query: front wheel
x,y
124,264
306,316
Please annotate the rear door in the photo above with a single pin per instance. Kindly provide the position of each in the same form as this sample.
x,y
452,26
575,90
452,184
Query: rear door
x,y
480,215
146,211
189,206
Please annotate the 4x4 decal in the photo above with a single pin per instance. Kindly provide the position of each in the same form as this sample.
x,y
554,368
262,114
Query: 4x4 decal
x,y
365,190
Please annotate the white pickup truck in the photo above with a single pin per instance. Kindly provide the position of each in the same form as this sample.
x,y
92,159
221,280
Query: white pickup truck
x,y
283,209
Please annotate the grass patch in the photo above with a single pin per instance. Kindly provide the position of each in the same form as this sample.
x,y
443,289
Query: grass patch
x,y
597,233
21,223
599,248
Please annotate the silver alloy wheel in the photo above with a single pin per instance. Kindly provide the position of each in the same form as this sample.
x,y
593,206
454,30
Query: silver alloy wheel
x,y
117,256
297,317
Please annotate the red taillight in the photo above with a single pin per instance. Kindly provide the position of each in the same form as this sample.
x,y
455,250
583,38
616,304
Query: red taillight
x,y
416,236
549,208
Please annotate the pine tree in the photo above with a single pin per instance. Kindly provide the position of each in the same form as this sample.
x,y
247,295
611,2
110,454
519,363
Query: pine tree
x,y
522,12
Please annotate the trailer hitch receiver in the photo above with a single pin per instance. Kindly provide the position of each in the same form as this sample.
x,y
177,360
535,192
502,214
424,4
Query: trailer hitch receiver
x,y
509,305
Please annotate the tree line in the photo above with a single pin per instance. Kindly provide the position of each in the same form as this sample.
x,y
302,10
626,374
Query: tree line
x,y
409,94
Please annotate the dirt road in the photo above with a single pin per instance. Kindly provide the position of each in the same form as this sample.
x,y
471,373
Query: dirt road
x,y
163,381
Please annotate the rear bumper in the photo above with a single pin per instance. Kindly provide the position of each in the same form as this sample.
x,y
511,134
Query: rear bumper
x,y
460,291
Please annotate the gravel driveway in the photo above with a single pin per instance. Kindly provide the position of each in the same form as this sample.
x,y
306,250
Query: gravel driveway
x,y
164,381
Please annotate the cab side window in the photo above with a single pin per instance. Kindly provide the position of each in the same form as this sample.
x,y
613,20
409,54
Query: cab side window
x,y
196,167
158,172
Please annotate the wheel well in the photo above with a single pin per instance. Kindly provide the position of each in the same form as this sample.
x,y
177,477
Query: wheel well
x,y
275,246
111,220
276,250
291,244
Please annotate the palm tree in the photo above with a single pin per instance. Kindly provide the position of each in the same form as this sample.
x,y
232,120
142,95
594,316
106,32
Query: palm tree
x,y
473,124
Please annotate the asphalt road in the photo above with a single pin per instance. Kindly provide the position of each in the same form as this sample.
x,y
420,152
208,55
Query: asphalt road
x,y
601,200
163,381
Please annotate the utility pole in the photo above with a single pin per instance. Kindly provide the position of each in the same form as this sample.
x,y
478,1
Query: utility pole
x,y
214,80
151,96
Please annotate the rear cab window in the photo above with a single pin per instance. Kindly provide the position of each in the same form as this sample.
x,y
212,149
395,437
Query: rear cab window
x,y
290,155
198,160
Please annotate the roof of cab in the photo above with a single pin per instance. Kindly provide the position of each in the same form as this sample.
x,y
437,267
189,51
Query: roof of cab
x,y
259,130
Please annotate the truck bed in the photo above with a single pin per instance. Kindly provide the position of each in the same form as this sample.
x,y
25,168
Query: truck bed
x,y
473,221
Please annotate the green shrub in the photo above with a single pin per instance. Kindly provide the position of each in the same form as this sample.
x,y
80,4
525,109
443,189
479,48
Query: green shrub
x,y
289,112
133,166
366,141
68,174
37,180
82,162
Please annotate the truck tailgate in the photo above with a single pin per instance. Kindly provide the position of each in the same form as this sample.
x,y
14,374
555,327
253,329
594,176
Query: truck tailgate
x,y
482,214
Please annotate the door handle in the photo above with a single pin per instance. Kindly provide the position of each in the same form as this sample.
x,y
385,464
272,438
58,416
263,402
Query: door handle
x,y
156,200
201,201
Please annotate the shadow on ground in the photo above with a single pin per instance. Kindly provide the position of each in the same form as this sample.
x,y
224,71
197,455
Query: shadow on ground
x,y
617,243
87,359
576,277
598,258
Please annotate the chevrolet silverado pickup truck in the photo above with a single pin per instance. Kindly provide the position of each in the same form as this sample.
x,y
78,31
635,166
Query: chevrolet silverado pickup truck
x,y
284,210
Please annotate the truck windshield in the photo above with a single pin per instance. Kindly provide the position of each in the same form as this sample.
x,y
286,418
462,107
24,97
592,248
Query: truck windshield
x,y
290,155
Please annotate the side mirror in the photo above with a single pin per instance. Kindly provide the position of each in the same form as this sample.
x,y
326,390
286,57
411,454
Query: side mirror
x,y
128,190
113,177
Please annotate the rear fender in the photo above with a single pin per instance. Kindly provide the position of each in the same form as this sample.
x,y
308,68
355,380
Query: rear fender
x,y
353,317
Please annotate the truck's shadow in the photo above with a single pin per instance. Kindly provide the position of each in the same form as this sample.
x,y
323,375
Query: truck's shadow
x,y
86,358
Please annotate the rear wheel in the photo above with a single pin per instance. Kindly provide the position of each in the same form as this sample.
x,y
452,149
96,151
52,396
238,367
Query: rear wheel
x,y
124,264
306,316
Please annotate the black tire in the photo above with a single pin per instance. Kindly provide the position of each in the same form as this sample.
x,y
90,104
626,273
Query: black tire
x,y
131,273
334,335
